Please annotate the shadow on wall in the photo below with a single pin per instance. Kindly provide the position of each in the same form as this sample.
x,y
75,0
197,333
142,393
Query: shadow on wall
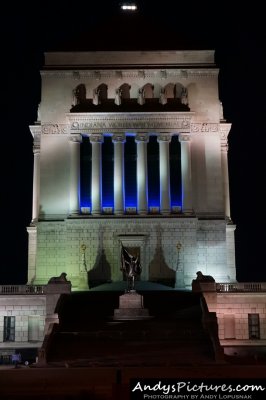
x,y
101,271
159,271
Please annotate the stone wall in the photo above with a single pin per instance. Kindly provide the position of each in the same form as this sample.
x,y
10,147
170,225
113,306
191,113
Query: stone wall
x,y
203,246
234,308
23,307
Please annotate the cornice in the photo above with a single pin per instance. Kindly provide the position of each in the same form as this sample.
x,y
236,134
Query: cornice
x,y
172,122
35,130
224,129
135,73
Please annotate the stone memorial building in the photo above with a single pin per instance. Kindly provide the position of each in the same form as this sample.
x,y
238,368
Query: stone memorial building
x,y
131,148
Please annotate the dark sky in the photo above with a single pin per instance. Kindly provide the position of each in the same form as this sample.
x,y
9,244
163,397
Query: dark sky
x,y
238,39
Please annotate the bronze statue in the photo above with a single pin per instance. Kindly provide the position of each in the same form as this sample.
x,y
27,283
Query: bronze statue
x,y
130,265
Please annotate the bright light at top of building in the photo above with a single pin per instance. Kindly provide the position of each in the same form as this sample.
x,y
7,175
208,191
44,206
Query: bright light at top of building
x,y
130,7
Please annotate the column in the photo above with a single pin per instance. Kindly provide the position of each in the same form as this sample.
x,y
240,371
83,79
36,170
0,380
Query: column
x,y
224,130
142,173
165,202
96,173
32,253
186,173
119,193
36,179
74,189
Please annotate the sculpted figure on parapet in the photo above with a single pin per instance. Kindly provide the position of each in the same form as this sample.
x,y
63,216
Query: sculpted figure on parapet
x,y
201,278
204,278
59,279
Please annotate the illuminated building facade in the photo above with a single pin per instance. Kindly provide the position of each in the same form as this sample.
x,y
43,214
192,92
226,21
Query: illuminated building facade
x,y
130,147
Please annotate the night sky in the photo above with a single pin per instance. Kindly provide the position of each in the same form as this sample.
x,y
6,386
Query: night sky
x,y
238,40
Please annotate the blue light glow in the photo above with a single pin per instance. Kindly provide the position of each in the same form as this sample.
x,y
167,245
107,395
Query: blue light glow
x,y
85,174
130,172
107,172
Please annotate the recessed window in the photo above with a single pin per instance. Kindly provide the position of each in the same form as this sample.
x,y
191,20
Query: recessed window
x,y
9,329
254,326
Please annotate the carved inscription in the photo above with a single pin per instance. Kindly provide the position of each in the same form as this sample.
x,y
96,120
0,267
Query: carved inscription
x,y
148,122
55,129
205,127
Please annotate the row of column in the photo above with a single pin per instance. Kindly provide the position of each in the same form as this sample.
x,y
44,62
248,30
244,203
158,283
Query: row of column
x,y
142,173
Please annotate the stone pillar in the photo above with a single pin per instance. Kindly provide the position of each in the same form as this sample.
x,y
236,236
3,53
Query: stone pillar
x,y
32,253
224,130
36,179
74,188
186,173
96,173
230,252
165,202
142,173
36,131
119,192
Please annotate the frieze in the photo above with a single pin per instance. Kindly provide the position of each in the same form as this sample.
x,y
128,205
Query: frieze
x,y
55,129
153,122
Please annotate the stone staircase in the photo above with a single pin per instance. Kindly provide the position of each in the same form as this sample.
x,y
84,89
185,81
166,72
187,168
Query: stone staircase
x,y
88,335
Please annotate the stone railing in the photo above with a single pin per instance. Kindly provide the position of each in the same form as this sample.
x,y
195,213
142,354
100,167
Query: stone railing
x,y
228,287
22,289
241,287
35,289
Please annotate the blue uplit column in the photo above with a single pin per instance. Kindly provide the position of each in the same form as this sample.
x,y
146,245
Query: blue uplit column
x,y
165,202
186,173
119,192
74,188
142,172
96,173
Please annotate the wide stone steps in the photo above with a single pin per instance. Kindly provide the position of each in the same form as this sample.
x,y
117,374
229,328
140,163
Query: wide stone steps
x,y
88,335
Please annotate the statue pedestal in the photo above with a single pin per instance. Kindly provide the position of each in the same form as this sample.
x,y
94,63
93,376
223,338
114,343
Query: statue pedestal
x,y
131,307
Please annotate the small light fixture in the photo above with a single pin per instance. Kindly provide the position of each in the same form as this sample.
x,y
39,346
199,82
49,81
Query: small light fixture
x,y
128,6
